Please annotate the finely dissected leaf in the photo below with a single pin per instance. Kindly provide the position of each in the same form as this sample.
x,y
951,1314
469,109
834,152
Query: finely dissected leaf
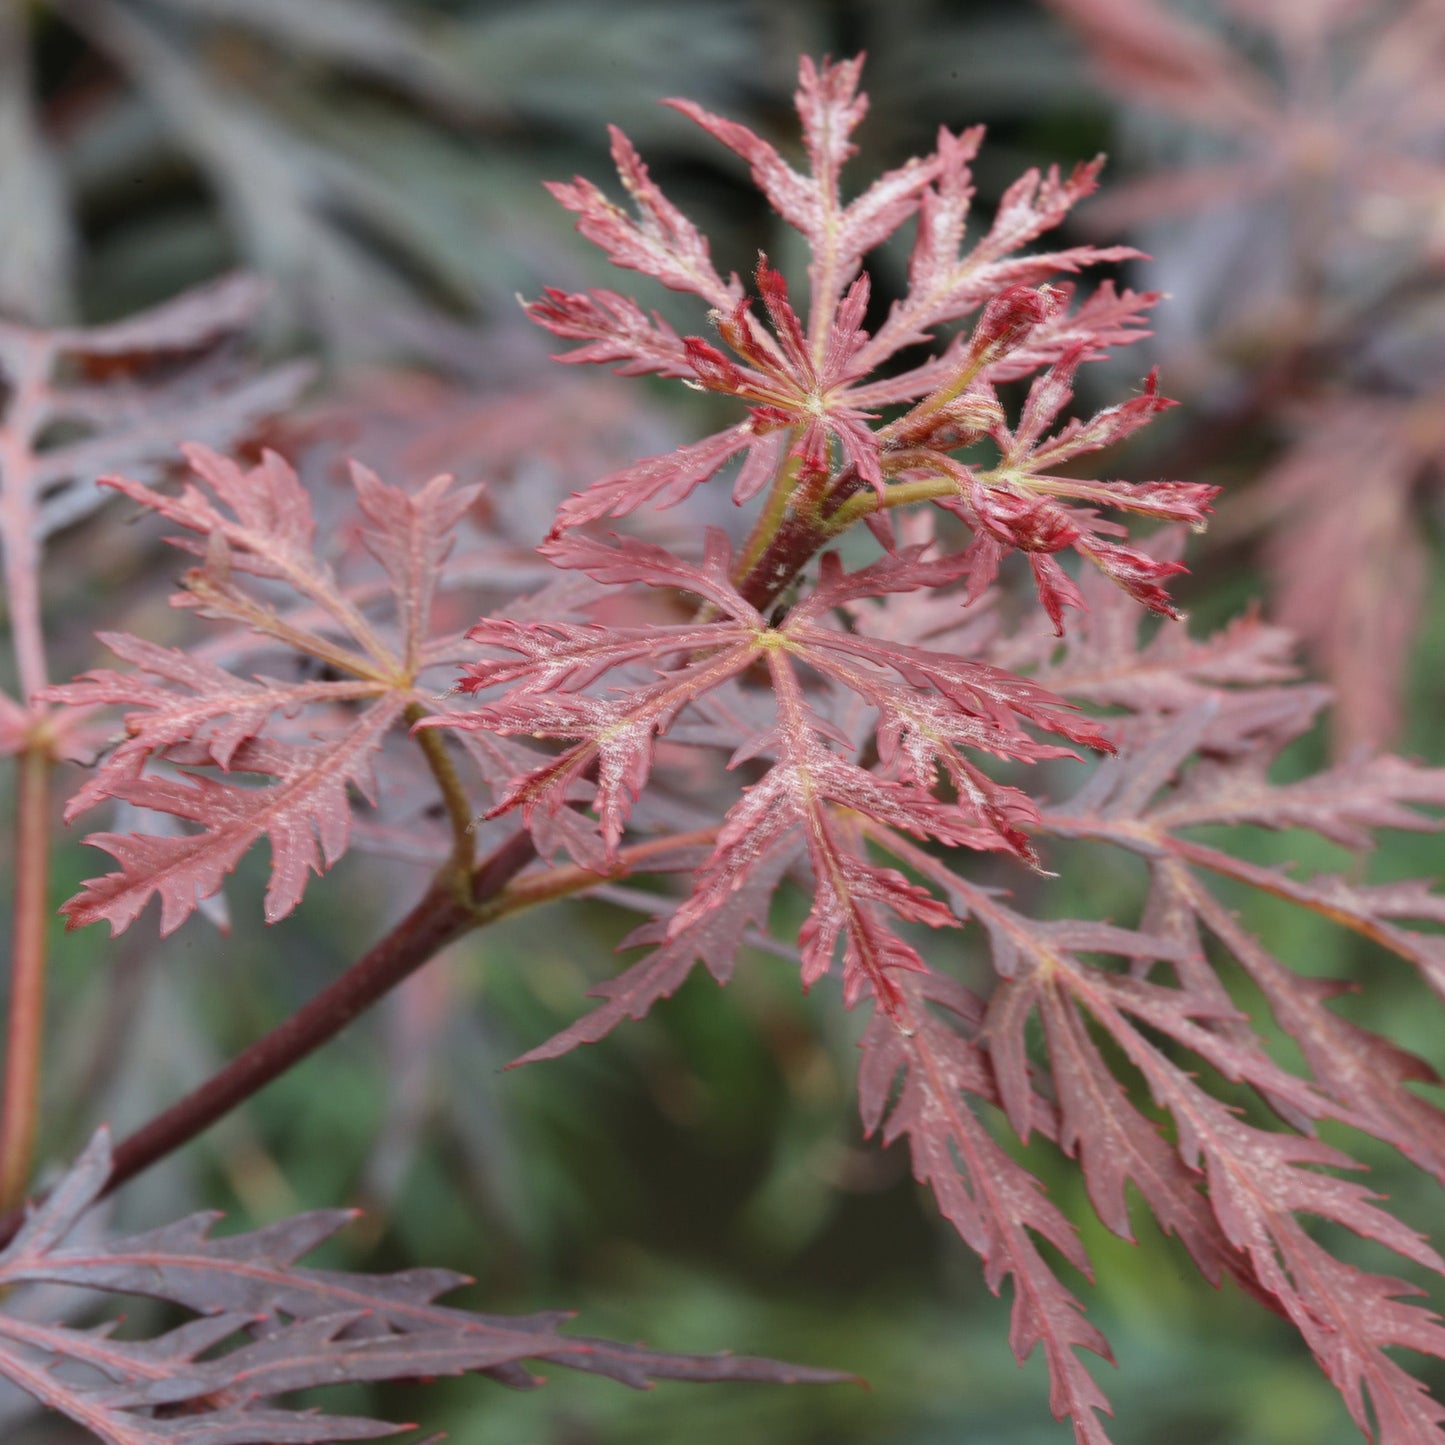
x,y
305,815
1173,673
1258,1182
663,242
1156,788
1117,1146
221,711
931,707
1105,318
830,108
947,283
1012,505
813,791
1346,1316
712,937
993,1202
1365,1075
307,1327
316,740
811,385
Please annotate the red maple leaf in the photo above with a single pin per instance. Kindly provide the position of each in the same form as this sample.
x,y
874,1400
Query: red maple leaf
x,y
932,709
258,524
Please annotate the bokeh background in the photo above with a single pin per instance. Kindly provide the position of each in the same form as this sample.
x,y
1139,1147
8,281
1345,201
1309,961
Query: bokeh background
x,y
699,1180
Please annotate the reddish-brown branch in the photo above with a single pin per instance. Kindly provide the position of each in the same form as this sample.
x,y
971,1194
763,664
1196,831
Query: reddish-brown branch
x,y
438,919
795,541
444,914
781,560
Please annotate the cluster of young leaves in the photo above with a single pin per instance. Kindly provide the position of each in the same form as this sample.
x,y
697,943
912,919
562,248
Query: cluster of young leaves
x,y
1313,256
860,705
815,385
266,1327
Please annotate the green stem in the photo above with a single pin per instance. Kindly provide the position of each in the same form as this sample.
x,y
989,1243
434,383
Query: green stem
x,y
454,794
25,1026
898,494
774,514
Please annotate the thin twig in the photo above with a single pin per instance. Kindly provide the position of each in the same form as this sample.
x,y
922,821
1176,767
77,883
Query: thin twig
x,y
454,795
438,919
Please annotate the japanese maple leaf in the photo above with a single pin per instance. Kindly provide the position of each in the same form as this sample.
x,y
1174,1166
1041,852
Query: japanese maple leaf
x,y
1234,1192
1246,675
255,528
1147,803
1022,502
812,385
1210,716
932,709
297,1328
1200,755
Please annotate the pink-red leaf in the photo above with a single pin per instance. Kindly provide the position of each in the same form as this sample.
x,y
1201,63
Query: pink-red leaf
x,y
305,815
259,523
